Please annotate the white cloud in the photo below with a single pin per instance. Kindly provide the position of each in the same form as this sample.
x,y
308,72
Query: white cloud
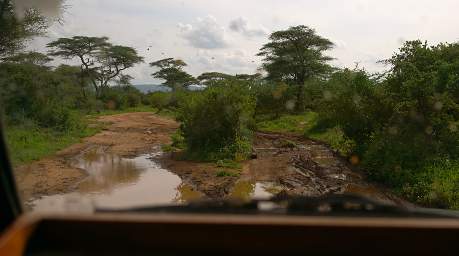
x,y
205,34
241,25
229,61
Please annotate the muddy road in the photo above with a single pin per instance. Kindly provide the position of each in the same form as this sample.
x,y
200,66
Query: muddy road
x,y
123,166
282,163
124,136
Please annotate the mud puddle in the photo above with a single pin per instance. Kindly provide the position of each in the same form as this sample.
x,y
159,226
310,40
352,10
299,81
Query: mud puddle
x,y
118,182
246,190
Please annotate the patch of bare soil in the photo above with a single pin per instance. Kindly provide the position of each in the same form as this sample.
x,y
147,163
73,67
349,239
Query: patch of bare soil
x,y
202,177
126,135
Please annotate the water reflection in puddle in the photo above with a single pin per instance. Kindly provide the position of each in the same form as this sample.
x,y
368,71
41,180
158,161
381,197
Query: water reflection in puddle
x,y
247,190
116,182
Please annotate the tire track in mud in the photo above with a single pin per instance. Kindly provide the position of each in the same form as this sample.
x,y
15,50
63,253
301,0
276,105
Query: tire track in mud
x,y
290,163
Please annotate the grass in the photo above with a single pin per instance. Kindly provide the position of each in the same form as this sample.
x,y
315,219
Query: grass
x,y
30,143
230,164
287,123
224,173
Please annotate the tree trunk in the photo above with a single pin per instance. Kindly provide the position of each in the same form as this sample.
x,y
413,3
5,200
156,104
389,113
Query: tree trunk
x,y
300,104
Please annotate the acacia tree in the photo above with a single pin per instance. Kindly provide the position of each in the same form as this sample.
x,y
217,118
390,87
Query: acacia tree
x,y
209,78
101,62
113,60
171,70
294,56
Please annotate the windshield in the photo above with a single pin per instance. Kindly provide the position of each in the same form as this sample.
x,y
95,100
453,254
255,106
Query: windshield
x,y
125,104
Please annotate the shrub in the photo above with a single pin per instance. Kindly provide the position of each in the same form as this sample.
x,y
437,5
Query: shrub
x,y
402,124
436,185
178,141
217,123
60,118
160,100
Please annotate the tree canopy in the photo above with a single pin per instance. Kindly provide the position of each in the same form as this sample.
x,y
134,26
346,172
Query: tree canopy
x,y
171,70
208,78
294,56
35,58
101,61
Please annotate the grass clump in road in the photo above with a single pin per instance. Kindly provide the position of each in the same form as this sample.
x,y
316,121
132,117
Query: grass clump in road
x,y
225,173
230,164
287,123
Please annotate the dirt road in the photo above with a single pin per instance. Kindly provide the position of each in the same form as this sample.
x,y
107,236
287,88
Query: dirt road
x,y
282,163
126,135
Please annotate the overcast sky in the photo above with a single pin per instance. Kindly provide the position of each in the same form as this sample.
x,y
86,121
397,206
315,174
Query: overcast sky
x,y
225,35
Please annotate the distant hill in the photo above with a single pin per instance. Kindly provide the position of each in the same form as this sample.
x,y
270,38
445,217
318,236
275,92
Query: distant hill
x,y
146,88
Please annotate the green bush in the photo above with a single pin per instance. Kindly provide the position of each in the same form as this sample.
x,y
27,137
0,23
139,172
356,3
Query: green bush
x,y
60,118
121,97
160,100
274,99
217,123
436,185
401,123
178,141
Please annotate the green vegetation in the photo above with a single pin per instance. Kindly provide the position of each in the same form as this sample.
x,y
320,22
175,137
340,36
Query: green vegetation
x,y
101,62
224,173
171,71
295,56
31,142
307,124
216,123
435,185
230,164
403,124
288,123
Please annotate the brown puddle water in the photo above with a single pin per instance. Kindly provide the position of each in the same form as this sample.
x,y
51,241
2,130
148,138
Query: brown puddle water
x,y
117,182
247,190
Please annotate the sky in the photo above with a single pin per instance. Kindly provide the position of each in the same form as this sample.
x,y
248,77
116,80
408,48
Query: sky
x,y
225,35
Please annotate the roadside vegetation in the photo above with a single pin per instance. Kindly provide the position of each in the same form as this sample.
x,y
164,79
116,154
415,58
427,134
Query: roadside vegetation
x,y
400,126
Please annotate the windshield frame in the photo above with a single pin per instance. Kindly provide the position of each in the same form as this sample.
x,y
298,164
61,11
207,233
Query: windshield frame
x,y
9,200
